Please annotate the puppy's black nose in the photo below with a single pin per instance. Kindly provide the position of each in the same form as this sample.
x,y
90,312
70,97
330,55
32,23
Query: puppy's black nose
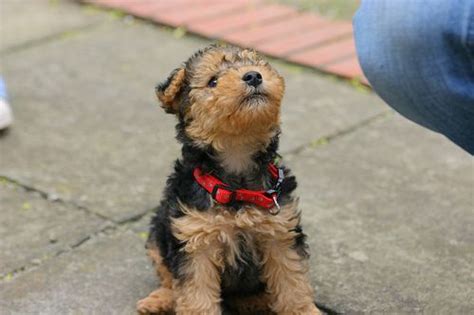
x,y
252,78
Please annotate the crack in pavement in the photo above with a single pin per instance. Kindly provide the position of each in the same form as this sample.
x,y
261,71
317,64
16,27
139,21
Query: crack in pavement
x,y
54,198
109,225
29,44
108,229
334,136
12,274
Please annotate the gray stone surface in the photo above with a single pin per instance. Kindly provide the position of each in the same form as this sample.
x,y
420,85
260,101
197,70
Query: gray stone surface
x,y
23,22
390,215
316,107
106,275
33,229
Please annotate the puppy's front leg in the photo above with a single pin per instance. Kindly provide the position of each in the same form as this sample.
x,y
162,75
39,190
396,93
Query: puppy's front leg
x,y
285,273
198,288
285,269
198,292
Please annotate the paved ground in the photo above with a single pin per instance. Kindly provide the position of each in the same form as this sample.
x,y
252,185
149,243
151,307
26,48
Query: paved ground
x,y
388,206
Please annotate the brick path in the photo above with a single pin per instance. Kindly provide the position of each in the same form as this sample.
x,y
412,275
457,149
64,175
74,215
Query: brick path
x,y
276,30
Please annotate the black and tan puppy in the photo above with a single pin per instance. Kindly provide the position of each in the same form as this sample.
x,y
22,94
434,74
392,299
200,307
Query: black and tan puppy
x,y
228,230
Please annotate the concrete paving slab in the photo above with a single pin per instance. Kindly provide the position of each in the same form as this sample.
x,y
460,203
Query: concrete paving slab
x,y
106,275
389,211
87,125
33,229
319,106
23,22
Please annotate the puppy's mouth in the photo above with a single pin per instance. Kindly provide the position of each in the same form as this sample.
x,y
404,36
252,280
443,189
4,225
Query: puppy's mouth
x,y
255,97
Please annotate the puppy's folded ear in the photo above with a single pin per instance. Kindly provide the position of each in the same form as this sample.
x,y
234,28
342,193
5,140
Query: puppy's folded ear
x,y
168,91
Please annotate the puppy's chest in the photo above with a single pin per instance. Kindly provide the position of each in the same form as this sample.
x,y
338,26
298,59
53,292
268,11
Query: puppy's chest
x,y
235,241
229,234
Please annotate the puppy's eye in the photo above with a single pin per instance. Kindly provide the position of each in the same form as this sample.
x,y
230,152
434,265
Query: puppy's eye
x,y
212,82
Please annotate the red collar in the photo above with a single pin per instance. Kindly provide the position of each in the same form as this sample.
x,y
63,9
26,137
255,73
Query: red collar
x,y
223,194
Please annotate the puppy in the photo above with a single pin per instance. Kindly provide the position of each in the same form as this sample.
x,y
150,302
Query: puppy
x,y
227,232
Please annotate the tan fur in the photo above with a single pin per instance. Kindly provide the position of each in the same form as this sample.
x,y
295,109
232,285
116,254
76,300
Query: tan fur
x,y
160,301
200,293
168,96
286,277
220,226
211,239
161,270
210,234
223,118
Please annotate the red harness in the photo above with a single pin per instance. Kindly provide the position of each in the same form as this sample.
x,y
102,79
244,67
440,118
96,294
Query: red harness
x,y
223,194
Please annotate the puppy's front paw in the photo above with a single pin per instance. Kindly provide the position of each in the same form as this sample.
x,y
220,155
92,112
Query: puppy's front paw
x,y
158,302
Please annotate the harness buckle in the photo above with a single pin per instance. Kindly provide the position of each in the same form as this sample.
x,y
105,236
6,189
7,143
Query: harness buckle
x,y
275,210
275,191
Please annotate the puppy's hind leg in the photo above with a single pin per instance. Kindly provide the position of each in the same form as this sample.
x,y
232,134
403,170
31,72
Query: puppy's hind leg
x,y
161,300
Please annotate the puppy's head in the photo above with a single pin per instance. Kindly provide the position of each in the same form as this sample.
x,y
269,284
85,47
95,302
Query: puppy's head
x,y
224,95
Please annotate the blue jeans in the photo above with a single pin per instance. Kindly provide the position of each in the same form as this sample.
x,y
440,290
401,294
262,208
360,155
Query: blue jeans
x,y
418,55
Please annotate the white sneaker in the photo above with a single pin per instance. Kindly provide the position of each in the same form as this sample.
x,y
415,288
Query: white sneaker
x,y
6,117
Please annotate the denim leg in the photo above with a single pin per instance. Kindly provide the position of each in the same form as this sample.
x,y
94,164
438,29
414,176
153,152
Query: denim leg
x,y
418,55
